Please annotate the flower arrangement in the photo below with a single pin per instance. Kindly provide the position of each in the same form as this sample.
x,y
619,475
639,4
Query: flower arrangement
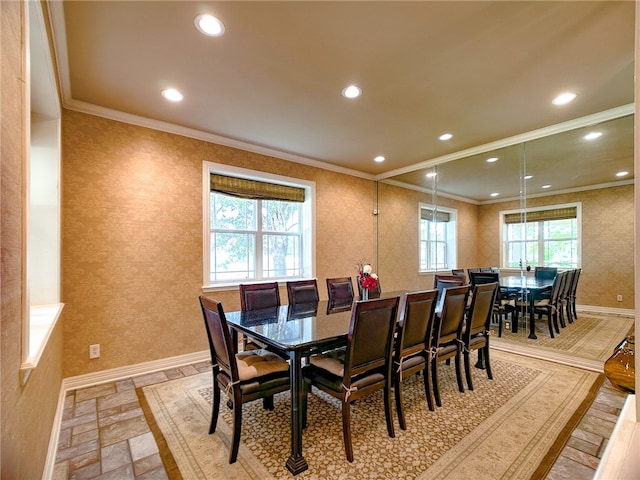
x,y
368,280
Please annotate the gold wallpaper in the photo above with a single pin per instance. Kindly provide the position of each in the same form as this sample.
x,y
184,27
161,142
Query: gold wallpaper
x,y
27,411
132,238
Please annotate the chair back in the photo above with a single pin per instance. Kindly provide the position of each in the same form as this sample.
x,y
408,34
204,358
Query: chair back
x,y
256,296
370,335
415,326
478,278
545,273
219,335
454,303
303,291
574,283
340,290
458,272
481,310
557,288
440,282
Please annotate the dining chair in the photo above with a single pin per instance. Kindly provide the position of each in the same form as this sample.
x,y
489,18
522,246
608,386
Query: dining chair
x,y
256,296
545,273
565,315
340,292
475,334
458,272
303,292
440,282
244,376
413,344
361,369
548,305
573,292
447,334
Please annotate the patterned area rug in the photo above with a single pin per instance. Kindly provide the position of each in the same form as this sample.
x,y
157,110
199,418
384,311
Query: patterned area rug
x,y
512,427
592,336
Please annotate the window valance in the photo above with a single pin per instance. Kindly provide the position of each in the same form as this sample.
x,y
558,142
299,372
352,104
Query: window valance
x,y
255,190
542,215
434,215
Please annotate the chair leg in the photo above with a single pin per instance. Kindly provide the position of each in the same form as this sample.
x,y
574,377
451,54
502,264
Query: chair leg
x,y
346,430
267,403
215,408
549,324
237,426
397,391
459,372
436,386
427,386
487,363
467,370
387,409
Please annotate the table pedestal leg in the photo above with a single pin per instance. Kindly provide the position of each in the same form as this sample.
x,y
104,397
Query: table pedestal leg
x,y
296,462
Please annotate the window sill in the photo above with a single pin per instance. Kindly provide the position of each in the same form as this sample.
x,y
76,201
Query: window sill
x,y
42,321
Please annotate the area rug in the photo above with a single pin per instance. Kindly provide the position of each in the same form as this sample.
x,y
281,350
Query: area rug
x,y
591,336
512,427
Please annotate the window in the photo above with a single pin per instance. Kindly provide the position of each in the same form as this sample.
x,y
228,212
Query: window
x,y
437,238
43,205
543,237
259,227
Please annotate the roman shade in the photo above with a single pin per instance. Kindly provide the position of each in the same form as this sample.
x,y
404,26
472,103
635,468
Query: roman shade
x,y
434,215
255,190
541,215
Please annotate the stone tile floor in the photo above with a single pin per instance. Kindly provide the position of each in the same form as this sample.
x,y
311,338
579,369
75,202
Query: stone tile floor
x,y
104,434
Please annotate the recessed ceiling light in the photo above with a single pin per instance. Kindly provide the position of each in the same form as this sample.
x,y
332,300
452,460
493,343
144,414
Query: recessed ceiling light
x,y
209,25
527,177
445,136
351,92
379,159
564,98
592,135
546,186
495,194
622,174
431,174
492,159
172,95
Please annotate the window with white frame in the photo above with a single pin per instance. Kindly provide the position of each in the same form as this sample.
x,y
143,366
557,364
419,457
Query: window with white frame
x,y
437,238
259,227
543,237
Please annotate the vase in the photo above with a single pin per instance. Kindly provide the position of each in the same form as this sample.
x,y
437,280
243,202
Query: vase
x,y
620,367
365,294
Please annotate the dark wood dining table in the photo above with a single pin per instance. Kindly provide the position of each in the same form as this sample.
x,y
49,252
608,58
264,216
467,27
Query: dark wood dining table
x,y
530,288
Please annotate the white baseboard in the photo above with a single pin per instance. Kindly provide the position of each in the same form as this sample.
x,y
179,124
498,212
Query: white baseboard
x,y
104,376
625,312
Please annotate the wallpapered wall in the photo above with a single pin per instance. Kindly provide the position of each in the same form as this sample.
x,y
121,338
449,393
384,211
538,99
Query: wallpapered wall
x,y
27,411
132,238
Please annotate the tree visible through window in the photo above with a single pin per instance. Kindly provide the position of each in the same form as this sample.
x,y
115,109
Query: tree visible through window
x,y
548,237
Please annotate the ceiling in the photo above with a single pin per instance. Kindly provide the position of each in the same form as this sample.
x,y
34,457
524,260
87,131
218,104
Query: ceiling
x,y
484,71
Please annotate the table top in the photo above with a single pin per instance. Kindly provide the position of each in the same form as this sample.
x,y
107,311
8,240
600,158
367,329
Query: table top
x,y
517,281
297,328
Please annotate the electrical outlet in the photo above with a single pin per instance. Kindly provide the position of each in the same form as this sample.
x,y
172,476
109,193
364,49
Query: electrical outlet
x,y
507,325
94,351
619,298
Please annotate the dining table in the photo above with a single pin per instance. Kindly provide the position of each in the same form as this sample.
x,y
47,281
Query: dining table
x,y
297,332
528,287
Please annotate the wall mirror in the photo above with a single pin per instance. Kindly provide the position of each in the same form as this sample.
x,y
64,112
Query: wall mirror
x,y
578,164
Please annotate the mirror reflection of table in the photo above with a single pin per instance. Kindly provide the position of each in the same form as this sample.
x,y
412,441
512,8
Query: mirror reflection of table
x,y
528,287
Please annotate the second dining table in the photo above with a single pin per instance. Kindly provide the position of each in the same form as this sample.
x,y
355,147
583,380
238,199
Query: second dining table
x,y
297,332
530,288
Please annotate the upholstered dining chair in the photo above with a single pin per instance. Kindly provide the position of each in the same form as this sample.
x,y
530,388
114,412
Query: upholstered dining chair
x,y
244,376
545,273
475,335
413,344
564,300
447,334
549,305
573,292
340,292
440,282
361,369
303,292
255,296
